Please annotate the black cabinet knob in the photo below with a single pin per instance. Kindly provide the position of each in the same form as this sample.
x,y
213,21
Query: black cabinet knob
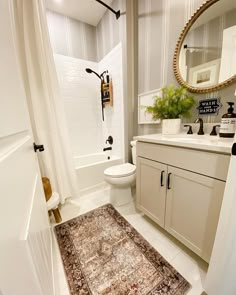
x,y
233,151
38,147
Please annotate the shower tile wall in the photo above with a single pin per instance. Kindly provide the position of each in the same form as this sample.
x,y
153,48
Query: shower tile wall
x,y
81,95
75,47
80,92
114,116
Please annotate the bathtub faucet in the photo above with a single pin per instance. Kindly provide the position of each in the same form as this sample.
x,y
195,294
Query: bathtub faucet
x,y
107,149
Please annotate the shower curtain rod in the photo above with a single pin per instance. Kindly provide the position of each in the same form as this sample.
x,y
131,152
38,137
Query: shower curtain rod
x,y
200,47
117,13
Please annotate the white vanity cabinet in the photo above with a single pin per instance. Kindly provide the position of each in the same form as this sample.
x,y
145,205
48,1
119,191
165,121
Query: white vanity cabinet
x,y
182,189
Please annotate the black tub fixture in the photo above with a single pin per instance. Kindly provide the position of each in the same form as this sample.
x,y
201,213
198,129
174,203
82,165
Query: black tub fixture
x,y
90,71
107,149
117,13
109,140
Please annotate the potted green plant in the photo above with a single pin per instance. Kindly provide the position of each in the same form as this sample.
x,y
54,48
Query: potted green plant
x,y
175,103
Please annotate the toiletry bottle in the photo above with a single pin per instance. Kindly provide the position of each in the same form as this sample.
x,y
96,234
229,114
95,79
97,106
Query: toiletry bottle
x,y
228,122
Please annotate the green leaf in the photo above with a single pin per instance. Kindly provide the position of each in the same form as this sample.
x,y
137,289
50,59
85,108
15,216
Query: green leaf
x,y
174,103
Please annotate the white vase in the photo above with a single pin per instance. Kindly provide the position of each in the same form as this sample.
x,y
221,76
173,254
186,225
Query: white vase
x,y
171,126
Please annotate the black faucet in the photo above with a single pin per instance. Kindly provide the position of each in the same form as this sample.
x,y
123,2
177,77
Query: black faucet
x,y
109,140
200,131
190,130
213,131
107,149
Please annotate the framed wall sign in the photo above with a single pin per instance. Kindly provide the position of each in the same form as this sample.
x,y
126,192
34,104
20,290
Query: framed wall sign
x,y
210,106
144,100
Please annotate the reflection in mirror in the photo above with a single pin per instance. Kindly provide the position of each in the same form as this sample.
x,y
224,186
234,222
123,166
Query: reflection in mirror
x,y
207,56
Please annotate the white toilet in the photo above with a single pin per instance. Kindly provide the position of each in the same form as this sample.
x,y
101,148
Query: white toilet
x,y
121,178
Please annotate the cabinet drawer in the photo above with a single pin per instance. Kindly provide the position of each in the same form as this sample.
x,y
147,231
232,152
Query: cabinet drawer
x,y
206,163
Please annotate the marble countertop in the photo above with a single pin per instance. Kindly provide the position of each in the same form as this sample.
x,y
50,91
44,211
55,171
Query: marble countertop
x,y
199,142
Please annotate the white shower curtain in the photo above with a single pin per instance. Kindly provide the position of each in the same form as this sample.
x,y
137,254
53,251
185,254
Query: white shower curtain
x,y
42,91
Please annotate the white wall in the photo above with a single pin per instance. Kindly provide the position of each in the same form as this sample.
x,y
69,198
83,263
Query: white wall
x,y
71,37
160,23
81,94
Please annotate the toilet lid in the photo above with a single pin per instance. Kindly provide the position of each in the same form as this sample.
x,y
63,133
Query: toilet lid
x,y
120,170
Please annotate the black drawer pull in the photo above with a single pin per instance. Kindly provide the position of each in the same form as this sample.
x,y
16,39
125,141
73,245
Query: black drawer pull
x,y
233,151
162,173
168,181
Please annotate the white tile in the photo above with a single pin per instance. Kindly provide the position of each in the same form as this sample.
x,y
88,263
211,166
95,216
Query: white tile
x,y
191,267
81,95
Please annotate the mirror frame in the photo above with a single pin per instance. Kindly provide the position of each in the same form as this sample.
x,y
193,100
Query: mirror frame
x,y
178,47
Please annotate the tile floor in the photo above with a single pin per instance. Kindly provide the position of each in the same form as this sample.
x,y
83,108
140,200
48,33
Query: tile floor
x,y
185,262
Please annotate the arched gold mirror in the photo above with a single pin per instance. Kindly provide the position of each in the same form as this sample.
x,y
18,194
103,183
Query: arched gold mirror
x,y
205,55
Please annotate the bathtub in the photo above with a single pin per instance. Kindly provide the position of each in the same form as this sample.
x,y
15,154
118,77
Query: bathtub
x,y
90,168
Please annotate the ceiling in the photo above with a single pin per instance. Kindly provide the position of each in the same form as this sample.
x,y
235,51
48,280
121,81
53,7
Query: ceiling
x,y
88,11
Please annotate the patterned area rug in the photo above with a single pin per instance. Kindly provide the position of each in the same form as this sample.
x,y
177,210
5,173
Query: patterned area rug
x,y
103,254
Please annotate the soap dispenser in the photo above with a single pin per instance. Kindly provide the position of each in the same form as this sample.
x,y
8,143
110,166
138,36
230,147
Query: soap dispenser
x,y
228,122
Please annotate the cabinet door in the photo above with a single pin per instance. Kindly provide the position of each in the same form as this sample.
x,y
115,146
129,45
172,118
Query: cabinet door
x,y
192,209
151,189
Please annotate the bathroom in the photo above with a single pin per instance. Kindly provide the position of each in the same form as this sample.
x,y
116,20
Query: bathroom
x,y
109,160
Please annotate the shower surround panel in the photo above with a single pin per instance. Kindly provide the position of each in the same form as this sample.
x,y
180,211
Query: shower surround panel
x,y
81,95
114,116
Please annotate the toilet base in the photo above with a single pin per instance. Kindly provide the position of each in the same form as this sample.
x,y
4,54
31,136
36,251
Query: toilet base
x,y
120,195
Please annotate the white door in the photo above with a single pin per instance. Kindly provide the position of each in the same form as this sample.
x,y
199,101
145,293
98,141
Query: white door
x,y
192,209
25,238
151,189
221,274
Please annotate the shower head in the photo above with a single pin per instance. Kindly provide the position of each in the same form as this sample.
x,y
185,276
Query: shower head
x,y
88,70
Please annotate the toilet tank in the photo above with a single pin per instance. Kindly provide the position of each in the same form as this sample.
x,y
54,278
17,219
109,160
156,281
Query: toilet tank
x,y
133,149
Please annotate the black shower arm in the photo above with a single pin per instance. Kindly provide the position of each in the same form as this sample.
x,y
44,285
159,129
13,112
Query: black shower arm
x,y
92,71
101,76
117,13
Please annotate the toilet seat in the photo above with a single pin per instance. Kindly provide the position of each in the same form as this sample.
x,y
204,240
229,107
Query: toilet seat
x,y
119,171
